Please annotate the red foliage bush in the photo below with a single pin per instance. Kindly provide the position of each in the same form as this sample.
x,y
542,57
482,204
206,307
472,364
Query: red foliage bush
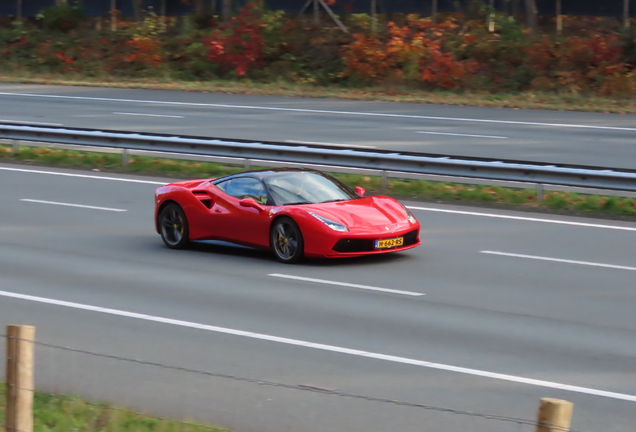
x,y
413,52
453,54
238,45
145,50
580,64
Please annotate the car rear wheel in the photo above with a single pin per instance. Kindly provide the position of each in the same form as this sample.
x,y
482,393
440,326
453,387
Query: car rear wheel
x,y
174,226
287,241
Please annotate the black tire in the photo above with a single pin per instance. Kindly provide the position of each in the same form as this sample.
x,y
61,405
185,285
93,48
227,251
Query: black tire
x,y
173,226
287,241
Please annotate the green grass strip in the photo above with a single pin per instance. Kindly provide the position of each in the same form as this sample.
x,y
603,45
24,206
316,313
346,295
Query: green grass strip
x,y
402,188
59,413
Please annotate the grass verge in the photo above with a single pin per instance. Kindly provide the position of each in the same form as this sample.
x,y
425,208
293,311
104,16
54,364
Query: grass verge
x,y
403,188
59,413
527,100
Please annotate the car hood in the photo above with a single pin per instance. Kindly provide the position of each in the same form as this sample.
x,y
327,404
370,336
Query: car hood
x,y
369,212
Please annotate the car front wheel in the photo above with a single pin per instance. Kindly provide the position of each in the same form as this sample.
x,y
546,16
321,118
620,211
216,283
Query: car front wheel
x,y
173,226
287,241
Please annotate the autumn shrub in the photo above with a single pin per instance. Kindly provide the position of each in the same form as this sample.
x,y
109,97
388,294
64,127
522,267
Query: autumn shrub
x,y
238,45
627,40
500,58
413,53
456,53
315,58
144,51
301,52
17,44
62,17
581,65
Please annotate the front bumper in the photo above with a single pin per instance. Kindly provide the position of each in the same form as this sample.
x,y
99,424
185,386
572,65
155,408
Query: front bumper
x,y
354,245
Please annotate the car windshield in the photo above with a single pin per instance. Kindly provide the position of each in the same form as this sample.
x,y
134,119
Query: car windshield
x,y
288,188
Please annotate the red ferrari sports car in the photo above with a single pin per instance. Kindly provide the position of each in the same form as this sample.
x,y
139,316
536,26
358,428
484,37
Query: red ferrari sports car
x,y
294,212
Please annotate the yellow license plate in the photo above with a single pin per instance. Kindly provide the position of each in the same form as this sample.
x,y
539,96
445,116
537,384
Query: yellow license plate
x,y
389,243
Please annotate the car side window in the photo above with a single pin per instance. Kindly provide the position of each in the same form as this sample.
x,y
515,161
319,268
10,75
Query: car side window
x,y
245,187
223,185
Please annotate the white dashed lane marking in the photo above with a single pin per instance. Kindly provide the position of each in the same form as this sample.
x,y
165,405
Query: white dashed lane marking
x,y
72,205
345,284
559,260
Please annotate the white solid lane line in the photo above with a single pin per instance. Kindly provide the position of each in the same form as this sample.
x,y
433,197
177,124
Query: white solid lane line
x,y
31,171
323,347
148,115
27,123
429,209
559,260
72,205
345,284
317,111
523,218
462,135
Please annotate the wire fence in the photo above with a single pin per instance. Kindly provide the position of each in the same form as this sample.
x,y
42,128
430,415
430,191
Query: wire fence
x,y
153,391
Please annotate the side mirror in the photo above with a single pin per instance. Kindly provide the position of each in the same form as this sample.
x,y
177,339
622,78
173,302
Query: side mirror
x,y
360,191
249,202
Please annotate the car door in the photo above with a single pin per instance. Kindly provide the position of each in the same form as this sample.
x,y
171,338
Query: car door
x,y
235,222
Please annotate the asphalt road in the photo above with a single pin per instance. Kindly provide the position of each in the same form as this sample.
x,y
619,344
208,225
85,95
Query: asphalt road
x,y
607,140
509,298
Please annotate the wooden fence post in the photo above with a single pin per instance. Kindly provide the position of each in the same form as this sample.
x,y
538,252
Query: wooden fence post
x,y
19,388
555,415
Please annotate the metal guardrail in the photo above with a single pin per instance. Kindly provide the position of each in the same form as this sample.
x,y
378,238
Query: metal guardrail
x,y
381,160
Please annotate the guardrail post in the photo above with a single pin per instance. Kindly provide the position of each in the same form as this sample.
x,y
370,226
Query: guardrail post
x,y
247,164
539,192
555,415
19,375
15,146
124,157
385,180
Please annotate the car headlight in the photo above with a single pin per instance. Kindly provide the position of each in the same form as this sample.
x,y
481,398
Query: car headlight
x,y
409,215
331,224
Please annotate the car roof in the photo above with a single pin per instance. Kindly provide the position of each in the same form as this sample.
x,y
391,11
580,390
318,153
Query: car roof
x,y
262,174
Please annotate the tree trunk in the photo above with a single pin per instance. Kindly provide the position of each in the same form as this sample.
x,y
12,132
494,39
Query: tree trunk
x,y
514,5
199,6
531,15
137,5
227,10
113,15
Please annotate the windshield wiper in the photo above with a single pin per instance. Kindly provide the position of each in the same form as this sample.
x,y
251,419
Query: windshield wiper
x,y
336,200
296,203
